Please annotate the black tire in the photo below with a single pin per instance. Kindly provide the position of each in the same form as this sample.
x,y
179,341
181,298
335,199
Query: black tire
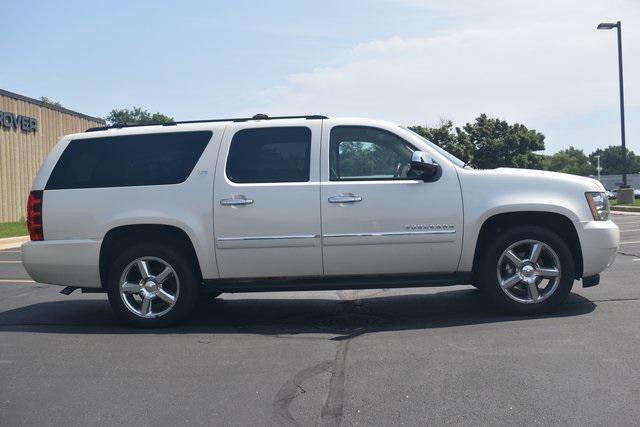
x,y
185,270
488,266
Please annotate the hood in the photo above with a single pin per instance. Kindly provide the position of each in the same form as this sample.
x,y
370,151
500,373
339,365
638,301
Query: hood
x,y
536,177
593,184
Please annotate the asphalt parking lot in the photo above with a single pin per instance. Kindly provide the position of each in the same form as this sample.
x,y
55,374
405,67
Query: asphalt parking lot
x,y
410,357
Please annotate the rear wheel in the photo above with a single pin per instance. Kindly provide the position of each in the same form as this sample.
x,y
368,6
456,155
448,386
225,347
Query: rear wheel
x,y
527,269
152,285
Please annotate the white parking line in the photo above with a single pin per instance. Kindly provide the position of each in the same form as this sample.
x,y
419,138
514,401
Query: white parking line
x,y
630,243
629,231
16,281
10,262
624,226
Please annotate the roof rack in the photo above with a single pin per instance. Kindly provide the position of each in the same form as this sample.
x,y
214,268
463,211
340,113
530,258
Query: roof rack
x,y
241,119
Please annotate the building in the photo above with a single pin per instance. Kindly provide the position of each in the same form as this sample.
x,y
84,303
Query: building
x,y
28,130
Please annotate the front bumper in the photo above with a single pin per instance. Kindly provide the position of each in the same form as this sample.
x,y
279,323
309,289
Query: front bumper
x,y
63,262
599,242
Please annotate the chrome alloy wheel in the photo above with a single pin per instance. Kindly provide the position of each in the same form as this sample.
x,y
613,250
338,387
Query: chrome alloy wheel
x,y
529,271
149,287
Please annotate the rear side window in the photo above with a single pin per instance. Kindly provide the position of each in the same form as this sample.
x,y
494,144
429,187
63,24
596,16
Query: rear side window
x,y
129,160
270,155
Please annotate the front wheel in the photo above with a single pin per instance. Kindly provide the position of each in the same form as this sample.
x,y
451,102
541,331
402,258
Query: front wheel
x,y
152,285
527,270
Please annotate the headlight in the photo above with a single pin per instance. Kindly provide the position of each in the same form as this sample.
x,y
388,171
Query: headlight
x,y
599,205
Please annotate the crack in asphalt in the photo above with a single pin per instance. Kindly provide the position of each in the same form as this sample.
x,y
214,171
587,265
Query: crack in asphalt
x,y
290,390
331,414
350,324
332,410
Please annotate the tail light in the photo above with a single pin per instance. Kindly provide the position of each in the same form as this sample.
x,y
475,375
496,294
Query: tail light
x,y
34,215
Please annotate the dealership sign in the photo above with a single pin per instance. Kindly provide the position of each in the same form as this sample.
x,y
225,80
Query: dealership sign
x,y
10,121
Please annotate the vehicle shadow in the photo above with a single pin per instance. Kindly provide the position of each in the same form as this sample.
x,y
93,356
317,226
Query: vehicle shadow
x,y
281,316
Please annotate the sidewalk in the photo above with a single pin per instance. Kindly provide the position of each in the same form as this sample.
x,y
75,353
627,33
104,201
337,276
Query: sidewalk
x,y
13,242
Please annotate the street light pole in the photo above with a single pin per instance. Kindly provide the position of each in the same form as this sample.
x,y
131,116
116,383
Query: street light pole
x,y
624,146
618,26
598,168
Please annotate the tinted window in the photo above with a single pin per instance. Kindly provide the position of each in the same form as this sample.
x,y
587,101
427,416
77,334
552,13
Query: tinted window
x,y
270,155
365,153
124,161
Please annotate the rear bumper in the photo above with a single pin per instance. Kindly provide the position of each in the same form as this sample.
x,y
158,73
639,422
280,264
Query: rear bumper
x,y
599,242
63,262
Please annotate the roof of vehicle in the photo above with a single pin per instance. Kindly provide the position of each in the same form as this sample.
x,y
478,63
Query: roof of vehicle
x,y
258,120
173,123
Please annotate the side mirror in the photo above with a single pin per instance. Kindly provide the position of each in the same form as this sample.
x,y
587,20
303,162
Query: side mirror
x,y
425,166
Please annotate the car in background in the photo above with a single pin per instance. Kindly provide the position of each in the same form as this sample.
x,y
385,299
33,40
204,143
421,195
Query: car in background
x,y
613,194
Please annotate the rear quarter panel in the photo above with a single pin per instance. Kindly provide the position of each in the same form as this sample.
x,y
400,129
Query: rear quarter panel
x,y
80,214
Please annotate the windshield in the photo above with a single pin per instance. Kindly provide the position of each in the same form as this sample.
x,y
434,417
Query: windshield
x,y
456,161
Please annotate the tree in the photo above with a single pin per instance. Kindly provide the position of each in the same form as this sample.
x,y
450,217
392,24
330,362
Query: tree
x,y
136,116
500,144
571,160
453,140
488,142
50,101
611,160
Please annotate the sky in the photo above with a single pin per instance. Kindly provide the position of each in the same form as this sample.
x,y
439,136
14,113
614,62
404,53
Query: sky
x,y
539,63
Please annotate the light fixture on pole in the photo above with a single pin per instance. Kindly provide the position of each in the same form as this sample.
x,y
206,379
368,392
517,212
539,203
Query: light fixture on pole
x,y
610,26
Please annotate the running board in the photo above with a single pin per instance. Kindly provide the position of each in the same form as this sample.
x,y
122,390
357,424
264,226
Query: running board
x,y
333,283
70,289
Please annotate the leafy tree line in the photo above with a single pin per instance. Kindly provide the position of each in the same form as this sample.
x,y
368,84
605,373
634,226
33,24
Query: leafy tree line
x,y
51,101
136,115
488,143
484,143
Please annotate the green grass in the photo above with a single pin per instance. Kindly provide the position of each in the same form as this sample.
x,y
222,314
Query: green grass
x,y
636,202
13,229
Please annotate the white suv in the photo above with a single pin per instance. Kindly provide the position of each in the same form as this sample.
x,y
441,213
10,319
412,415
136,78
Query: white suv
x,y
154,214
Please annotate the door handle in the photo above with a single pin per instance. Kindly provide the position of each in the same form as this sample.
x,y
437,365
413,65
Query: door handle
x,y
345,199
235,201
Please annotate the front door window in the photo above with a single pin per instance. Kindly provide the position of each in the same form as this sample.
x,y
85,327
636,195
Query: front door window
x,y
364,153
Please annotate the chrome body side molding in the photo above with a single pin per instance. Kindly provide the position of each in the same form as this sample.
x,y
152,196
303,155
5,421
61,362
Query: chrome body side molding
x,y
293,240
390,233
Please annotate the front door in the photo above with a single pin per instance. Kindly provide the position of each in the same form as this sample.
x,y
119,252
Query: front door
x,y
376,217
267,200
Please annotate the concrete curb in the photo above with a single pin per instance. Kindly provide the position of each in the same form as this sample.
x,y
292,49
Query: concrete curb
x,y
13,242
621,214
625,209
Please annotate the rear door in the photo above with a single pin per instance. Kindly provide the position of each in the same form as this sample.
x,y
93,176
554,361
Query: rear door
x,y
267,200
